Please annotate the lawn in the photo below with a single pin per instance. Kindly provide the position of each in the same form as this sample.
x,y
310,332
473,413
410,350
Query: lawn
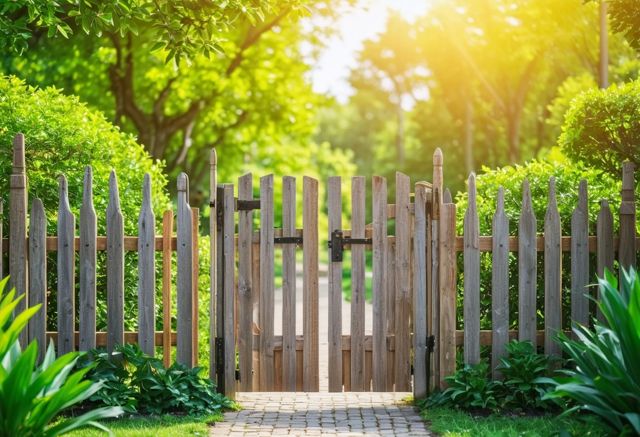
x,y
159,426
454,423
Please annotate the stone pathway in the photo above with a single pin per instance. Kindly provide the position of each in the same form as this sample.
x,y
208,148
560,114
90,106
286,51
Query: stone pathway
x,y
301,414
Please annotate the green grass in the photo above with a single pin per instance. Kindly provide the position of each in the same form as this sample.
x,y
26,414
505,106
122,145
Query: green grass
x,y
455,423
160,426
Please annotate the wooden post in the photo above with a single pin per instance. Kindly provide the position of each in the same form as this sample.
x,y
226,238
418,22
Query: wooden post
x,y
115,267
379,243
288,285
38,276
66,272
245,306
403,284
605,255
627,249
357,284
146,272
167,233
471,277
436,204
311,377
419,295
552,274
499,284
527,268
267,380
448,269
580,258
18,264
195,273
87,254
228,232
213,256
334,207
184,279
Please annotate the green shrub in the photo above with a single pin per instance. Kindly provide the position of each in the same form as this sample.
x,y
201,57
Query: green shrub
x,y
32,396
140,383
469,388
606,376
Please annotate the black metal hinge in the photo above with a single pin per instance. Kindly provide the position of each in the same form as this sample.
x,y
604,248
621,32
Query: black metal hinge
x,y
339,241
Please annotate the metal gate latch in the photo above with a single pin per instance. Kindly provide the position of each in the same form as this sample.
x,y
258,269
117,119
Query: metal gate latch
x,y
338,241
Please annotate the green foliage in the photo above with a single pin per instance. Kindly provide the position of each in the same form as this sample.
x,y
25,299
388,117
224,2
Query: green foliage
x,y
140,383
469,388
606,376
625,18
31,395
156,426
602,127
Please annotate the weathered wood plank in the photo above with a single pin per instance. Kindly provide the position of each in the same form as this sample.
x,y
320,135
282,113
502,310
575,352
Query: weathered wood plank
x,y
38,275
627,249
434,329
87,258
66,272
527,268
471,277
334,207
220,265
419,295
213,255
18,256
167,231
255,300
499,284
267,377
115,267
357,283
580,258
311,377
184,277
390,298
195,272
245,306
552,273
289,285
146,271
605,244
228,231
403,291
447,291
379,322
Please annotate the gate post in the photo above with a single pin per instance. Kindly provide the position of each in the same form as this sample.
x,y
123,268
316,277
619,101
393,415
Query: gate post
x,y
434,329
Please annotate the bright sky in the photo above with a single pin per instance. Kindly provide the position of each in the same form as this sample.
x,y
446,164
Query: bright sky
x,y
330,74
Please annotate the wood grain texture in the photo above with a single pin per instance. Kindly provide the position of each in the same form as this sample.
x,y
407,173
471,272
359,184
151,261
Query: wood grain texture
x,y
87,258
184,277
289,285
420,295
311,377
627,248
245,306
447,291
213,255
471,277
605,244
146,271
334,208
580,258
267,377
220,266
195,272
255,300
357,283
527,268
379,322
390,298
552,273
115,267
435,286
38,275
228,231
167,231
499,284
403,291
66,272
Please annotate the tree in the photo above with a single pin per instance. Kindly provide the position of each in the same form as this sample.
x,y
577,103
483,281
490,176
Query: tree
x,y
625,18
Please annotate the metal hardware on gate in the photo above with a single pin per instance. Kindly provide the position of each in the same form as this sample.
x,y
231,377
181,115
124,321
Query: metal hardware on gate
x,y
431,343
339,241
219,354
287,240
247,205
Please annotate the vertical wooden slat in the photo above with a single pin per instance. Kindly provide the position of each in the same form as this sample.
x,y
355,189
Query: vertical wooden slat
x,y
288,285
18,249
527,268
311,377
403,291
167,232
255,301
334,207
229,290
245,306
38,275
66,272
627,249
379,242
87,254
471,277
219,304
213,256
605,251
580,258
436,203
420,295
390,298
115,267
266,284
184,275
146,271
447,290
357,283
499,284
552,273
195,273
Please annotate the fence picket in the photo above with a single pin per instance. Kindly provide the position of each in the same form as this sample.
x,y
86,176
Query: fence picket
x,y
403,291
228,231
288,285
379,243
66,272
605,254
267,377
245,306
311,378
527,268
447,291
213,256
552,273
471,277
184,278
195,272
334,208
38,275
499,284
167,232
357,283
580,258
419,315
146,271
87,255
219,297
627,248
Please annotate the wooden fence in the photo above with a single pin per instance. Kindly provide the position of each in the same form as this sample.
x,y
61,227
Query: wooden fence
x,y
28,244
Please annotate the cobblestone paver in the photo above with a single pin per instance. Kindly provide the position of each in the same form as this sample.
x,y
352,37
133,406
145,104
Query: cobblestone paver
x,y
344,414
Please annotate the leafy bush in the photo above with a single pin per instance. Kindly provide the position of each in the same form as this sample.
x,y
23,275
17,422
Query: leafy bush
x,y
606,377
469,388
32,396
140,383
